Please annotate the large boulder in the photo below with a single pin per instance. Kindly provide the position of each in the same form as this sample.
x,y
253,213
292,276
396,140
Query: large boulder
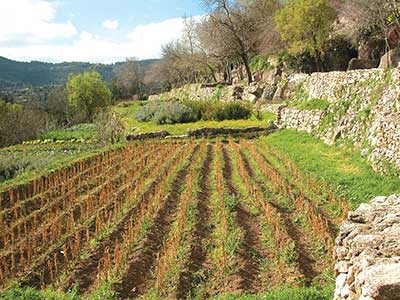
x,y
390,59
270,76
269,92
367,252
359,64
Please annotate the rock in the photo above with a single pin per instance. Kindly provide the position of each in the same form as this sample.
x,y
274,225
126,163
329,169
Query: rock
x,y
269,76
364,152
279,92
237,92
390,59
150,135
212,132
368,258
358,64
371,49
269,92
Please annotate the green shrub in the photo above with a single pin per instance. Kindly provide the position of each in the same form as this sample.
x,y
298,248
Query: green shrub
x,y
311,104
80,131
259,63
172,112
204,110
219,111
233,111
168,112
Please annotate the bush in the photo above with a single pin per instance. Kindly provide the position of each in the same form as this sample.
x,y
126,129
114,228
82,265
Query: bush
x,y
233,111
172,112
259,63
204,110
166,113
18,123
215,110
110,127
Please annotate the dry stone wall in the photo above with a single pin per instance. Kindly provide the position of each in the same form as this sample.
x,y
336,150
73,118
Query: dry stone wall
x,y
364,109
367,252
225,93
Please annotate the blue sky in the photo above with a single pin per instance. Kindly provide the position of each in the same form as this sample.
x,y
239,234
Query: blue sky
x,y
97,31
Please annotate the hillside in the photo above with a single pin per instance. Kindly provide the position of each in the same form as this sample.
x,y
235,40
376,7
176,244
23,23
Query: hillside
x,y
14,74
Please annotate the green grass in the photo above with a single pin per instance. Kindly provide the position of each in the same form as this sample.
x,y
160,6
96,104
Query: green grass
x,y
77,132
33,161
104,292
312,293
259,63
310,104
341,166
128,110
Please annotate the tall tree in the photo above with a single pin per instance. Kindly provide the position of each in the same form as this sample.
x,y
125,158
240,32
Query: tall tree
x,y
370,19
129,78
230,30
266,39
88,93
306,25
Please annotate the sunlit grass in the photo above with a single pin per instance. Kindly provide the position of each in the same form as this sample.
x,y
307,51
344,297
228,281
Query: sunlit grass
x,y
128,110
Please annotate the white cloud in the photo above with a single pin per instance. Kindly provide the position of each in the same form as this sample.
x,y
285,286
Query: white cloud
x,y
143,42
31,22
111,24
149,38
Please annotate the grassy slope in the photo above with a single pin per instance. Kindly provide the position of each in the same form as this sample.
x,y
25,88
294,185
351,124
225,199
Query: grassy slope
x,y
343,168
134,126
42,159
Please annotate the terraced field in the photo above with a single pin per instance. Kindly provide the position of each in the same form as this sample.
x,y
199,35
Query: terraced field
x,y
171,220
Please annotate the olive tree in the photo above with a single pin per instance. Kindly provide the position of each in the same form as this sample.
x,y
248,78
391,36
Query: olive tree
x,y
88,93
306,26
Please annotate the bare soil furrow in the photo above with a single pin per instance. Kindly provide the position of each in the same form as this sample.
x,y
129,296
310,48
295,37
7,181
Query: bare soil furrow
x,y
85,273
137,276
201,232
249,266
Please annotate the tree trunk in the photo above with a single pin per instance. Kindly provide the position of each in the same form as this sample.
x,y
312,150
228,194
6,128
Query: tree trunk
x,y
212,72
247,67
318,61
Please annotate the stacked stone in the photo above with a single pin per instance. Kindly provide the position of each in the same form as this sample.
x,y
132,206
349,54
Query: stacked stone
x,y
367,252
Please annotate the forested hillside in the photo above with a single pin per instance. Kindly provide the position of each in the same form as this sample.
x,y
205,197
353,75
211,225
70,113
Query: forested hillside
x,y
14,74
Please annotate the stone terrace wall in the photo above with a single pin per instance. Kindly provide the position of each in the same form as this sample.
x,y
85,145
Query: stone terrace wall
x,y
367,252
364,109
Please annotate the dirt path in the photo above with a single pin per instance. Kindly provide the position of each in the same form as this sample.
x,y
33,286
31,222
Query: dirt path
x,y
201,232
137,276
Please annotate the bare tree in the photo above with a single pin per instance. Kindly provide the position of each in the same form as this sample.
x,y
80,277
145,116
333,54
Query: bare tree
x,y
229,31
369,19
266,39
129,78
57,105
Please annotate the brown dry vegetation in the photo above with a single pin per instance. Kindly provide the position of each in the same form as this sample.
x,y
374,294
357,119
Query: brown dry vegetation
x,y
169,220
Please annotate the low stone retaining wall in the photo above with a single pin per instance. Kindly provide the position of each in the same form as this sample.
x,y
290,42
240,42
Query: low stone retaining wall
x,y
305,120
212,132
367,252
364,108
150,135
206,132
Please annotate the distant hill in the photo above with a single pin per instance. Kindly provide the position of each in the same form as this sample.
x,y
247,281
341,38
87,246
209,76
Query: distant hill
x,y
15,75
